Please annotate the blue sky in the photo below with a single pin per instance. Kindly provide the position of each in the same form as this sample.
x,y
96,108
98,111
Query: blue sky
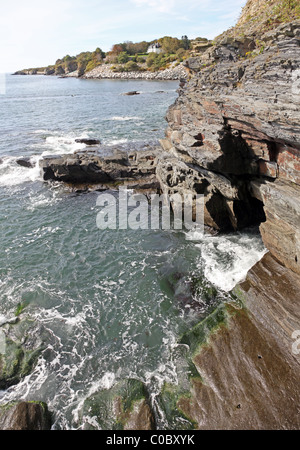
x,y
37,32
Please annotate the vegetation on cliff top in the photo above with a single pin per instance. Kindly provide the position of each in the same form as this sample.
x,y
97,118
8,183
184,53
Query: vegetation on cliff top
x,y
259,16
128,56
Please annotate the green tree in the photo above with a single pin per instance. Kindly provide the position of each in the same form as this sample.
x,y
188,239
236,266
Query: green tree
x,y
123,58
131,66
169,44
185,43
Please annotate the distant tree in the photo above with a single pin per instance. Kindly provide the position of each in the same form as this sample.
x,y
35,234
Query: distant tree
x,y
98,55
169,44
131,66
140,59
117,49
137,47
181,53
185,42
67,58
71,65
157,61
122,58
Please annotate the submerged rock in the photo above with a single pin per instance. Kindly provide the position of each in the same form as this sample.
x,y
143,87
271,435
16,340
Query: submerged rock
x,y
125,406
131,93
25,416
25,162
87,141
22,347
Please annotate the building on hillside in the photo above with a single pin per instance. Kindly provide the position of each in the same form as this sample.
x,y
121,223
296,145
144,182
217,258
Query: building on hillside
x,y
154,48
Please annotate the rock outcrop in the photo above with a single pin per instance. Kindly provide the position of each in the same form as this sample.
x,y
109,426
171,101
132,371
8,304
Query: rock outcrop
x,y
125,406
25,162
22,342
87,141
234,136
137,169
235,133
25,416
246,371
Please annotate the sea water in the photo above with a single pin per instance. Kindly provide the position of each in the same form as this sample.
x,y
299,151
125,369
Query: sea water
x,y
111,304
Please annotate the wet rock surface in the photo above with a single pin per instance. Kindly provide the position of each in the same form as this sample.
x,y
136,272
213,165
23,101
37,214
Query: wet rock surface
x,y
25,162
23,343
243,372
87,141
125,406
234,136
25,416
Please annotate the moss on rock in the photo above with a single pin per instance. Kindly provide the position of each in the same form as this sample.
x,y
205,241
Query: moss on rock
x,y
16,363
125,406
169,402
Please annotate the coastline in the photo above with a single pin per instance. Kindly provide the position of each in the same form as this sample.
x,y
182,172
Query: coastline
x,y
173,73
240,368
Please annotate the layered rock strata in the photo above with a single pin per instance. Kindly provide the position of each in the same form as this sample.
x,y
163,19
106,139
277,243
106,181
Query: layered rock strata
x,y
89,170
234,133
234,136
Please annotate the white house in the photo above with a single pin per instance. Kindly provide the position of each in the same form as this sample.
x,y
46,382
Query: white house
x,y
154,48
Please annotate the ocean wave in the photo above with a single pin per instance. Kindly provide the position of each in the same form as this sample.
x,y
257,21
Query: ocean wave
x,y
56,145
117,141
12,174
228,258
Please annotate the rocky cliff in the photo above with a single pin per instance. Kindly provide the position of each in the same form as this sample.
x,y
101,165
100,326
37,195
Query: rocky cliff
x,y
234,136
235,133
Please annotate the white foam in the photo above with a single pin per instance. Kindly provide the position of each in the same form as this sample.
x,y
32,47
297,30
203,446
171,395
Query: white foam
x,y
41,132
106,382
117,141
228,258
124,118
57,145
12,174
42,200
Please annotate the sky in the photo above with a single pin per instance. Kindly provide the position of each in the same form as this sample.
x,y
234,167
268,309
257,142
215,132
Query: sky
x,y
35,33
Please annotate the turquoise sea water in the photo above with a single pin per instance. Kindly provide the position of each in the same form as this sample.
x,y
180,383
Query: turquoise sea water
x,y
109,304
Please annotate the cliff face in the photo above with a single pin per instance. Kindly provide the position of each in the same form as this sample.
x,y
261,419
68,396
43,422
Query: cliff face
x,y
235,132
234,136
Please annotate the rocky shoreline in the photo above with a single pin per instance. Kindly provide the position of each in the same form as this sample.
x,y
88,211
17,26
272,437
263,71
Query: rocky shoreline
x,y
174,72
234,136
